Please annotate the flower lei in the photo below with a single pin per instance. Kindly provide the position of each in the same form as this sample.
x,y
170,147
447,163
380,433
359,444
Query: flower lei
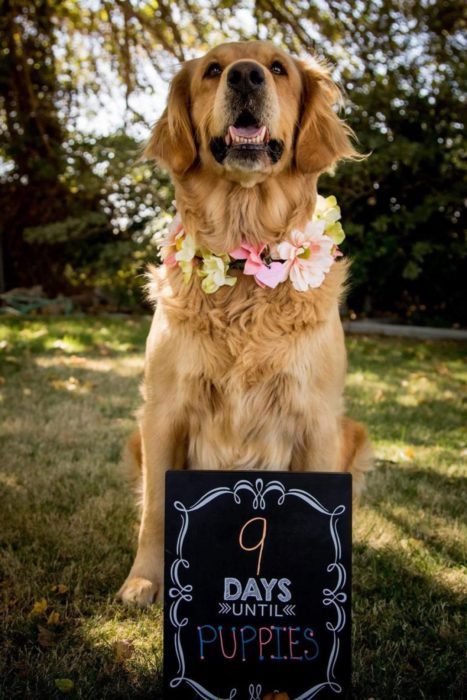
x,y
305,258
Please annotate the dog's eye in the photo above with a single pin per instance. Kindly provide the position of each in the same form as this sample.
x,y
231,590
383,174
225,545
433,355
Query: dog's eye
x,y
277,68
213,70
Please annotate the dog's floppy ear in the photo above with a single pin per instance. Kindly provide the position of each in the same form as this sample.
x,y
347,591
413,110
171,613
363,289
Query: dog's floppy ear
x,y
172,140
322,137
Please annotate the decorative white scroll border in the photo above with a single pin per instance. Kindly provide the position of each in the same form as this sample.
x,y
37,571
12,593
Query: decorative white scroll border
x,y
183,593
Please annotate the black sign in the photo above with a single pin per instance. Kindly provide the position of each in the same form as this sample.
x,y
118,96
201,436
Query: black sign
x,y
257,585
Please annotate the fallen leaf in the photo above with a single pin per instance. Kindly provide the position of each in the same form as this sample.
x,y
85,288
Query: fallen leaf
x,y
39,607
65,685
124,649
77,360
59,588
21,668
57,383
54,618
46,637
71,384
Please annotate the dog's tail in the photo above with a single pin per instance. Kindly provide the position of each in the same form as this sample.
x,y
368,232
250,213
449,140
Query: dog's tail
x,y
357,453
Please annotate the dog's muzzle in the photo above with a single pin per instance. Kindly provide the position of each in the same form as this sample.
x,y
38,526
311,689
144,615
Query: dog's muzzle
x,y
247,138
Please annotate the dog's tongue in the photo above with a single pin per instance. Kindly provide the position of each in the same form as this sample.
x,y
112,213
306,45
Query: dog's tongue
x,y
246,132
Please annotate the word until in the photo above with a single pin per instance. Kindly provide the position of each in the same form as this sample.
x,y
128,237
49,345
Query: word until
x,y
256,609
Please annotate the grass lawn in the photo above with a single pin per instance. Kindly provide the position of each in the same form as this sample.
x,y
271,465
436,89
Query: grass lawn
x,y
68,390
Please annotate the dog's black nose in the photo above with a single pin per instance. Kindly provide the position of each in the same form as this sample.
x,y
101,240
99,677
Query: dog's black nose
x,y
245,76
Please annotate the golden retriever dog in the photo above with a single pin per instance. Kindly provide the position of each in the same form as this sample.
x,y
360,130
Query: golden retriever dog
x,y
249,376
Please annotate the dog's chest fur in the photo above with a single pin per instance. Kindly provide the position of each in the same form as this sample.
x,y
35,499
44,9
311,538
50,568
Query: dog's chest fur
x,y
249,369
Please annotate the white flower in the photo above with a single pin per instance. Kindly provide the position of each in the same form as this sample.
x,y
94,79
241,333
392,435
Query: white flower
x,y
186,248
214,271
186,251
328,211
308,256
167,241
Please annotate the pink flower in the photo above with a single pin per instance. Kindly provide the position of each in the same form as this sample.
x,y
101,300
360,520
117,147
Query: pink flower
x,y
308,256
271,275
265,276
251,254
170,260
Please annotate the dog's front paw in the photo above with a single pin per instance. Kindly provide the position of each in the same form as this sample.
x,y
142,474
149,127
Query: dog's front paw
x,y
141,591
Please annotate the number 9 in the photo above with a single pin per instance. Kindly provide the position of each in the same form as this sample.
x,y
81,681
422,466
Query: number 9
x,y
259,545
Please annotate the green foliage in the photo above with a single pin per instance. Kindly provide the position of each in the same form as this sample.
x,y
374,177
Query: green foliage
x,y
108,250
113,261
403,208
68,230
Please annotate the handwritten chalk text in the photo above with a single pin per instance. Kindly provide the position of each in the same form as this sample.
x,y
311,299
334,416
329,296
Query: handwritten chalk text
x,y
261,590
248,643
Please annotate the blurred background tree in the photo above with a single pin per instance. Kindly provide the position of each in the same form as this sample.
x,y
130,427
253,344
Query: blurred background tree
x,y
80,82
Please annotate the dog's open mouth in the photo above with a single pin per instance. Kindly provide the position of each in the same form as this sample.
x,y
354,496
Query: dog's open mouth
x,y
246,131
247,134
246,142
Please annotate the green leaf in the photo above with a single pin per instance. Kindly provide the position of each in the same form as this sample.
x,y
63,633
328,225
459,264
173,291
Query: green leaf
x,y
64,685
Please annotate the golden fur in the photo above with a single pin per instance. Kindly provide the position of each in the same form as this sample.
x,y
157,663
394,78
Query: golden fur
x,y
246,378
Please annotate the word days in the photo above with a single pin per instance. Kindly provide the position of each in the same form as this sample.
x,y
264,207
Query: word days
x,y
254,598
250,643
260,591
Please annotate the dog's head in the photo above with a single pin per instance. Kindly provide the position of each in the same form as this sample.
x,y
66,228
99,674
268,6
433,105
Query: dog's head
x,y
246,111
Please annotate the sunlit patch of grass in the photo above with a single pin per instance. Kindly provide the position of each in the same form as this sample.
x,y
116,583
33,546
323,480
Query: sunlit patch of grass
x,y
69,389
73,335
141,632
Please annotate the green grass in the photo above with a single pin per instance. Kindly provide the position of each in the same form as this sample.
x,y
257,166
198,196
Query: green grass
x,y
69,388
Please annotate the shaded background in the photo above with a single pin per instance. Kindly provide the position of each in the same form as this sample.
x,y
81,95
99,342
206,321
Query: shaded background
x,y
81,83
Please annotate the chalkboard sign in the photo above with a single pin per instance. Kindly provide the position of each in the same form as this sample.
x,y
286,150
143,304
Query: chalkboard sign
x,y
257,585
